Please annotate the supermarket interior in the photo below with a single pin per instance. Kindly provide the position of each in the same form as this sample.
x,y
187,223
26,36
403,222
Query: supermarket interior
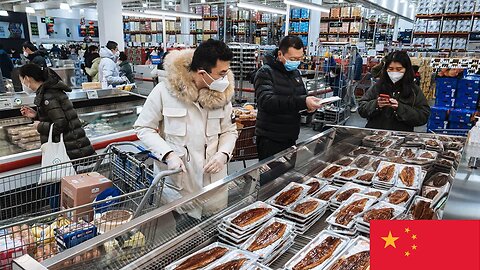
x,y
234,134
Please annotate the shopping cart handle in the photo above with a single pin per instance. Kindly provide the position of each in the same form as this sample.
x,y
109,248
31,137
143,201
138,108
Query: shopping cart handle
x,y
150,154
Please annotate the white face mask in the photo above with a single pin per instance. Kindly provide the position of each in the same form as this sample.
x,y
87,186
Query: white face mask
x,y
395,76
219,85
25,54
27,89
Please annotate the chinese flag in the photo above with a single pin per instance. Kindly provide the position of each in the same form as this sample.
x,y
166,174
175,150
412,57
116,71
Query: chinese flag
x,y
425,244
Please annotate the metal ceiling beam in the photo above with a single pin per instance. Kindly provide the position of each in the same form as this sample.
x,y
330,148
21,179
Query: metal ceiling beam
x,y
375,6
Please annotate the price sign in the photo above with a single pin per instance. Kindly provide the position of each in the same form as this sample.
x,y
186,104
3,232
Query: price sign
x,y
92,94
6,104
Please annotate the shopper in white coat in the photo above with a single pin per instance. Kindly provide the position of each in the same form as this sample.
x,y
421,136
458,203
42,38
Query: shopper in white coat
x,y
107,69
187,122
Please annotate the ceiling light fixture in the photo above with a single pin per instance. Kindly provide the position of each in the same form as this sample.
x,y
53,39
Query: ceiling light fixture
x,y
29,10
173,13
231,6
144,5
3,13
340,1
261,8
202,1
306,5
64,6
143,15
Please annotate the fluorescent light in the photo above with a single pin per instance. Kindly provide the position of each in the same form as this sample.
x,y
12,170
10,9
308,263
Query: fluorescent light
x,y
173,13
411,5
261,8
145,5
3,13
143,15
64,6
306,5
340,1
29,10
231,6
202,1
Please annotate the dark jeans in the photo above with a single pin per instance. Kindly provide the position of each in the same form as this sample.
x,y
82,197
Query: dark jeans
x,y
267,148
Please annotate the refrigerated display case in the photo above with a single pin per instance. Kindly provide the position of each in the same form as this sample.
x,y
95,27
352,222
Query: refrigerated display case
x,y
161,237
108,116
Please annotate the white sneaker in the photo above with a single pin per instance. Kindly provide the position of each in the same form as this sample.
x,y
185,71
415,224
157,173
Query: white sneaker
x,y
354,109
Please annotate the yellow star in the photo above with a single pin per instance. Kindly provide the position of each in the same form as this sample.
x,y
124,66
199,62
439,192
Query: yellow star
x,y
414,236
414,247
390,240
407,253
407,230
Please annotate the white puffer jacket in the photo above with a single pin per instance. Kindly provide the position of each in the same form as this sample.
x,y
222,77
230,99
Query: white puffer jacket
x,y
196,124
108,69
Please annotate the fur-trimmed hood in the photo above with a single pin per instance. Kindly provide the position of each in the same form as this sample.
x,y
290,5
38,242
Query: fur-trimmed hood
x,y
182,86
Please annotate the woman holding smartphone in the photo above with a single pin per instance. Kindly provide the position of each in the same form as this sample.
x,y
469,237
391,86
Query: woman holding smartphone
x,y
395,102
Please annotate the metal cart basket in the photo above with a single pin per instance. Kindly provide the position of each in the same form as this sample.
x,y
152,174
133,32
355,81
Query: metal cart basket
x,y
246,144
33,221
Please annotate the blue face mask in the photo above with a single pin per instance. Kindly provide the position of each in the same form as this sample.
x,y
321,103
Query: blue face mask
x,y
291,65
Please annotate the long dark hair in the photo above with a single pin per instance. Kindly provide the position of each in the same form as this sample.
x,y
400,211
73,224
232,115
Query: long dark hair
x,y
38,73
406,84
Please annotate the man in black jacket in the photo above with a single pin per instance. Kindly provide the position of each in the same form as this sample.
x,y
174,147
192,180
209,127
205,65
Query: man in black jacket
x,y
34,55
281,95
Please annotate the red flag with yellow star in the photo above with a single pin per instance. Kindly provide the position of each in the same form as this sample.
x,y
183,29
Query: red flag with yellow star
x,y
425,244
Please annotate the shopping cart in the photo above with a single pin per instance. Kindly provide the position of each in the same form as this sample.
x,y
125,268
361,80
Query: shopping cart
x,y
246,144
32,220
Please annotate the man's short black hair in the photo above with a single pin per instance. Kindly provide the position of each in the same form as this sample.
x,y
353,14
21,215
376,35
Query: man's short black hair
x,y
112,45
206,55
290,42
122,56
29,45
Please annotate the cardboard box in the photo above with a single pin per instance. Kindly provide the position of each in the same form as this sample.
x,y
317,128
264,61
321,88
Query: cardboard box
x,y
81,189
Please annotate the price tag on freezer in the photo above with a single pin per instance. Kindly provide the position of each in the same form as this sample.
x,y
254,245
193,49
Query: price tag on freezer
x,y
6,104
92,94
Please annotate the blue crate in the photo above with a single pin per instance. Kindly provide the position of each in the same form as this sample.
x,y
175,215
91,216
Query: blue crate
x,y
469,84
296,13
446,93
436,124
304,27
457,125
460,115
445,102
305,13
439,113
466,104
446,82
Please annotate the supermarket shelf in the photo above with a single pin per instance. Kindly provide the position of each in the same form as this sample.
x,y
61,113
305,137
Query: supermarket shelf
x,y
464,34
299,19
344,19
207,18
141,20
439,16
173,31
298,33
141,32
426,34
341,34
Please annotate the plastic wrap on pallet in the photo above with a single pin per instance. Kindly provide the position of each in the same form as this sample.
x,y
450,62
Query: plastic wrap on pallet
x,y
461,115
439,113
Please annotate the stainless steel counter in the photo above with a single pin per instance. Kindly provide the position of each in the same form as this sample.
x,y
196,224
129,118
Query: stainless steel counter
x,y
464,199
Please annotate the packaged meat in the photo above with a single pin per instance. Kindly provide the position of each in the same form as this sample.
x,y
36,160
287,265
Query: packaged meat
x,y
345,215
234,260
390,153
327,192
364,178
451,155
409,176
270,236
202,258
346,191
421,209
318,252
381,211
375,192
360,151
400,197
289,195
362,161
315,186
433,144
347,173
357,254
425,154
329,172
306,207
408,153
439,180
250,217
344,161
385,174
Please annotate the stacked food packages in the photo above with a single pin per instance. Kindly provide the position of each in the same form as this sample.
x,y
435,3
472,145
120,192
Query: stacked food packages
x,y
391,175
245,116
24,136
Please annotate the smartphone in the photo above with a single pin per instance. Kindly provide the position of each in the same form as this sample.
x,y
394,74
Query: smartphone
x,y
384,96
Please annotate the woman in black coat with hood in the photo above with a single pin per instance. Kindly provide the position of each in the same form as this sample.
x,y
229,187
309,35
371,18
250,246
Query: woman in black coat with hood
x,y
54,107
395,102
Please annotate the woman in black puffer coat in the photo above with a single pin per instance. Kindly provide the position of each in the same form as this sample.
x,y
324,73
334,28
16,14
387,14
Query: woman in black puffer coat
x,y
54,107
